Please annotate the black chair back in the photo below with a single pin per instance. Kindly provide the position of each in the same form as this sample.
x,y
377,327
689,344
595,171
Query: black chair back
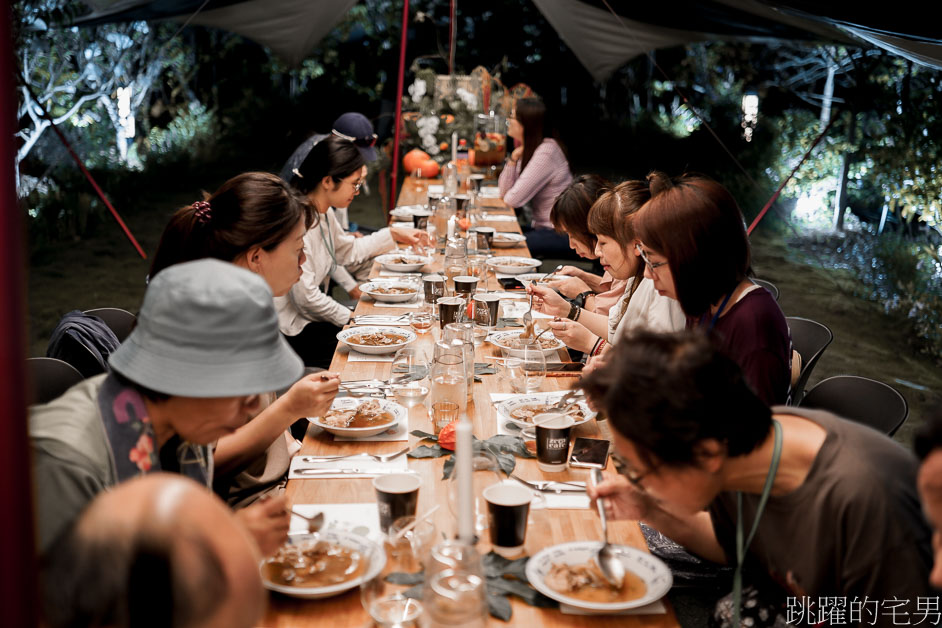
x,y
810,339
48,378
120,321
768,285
860,399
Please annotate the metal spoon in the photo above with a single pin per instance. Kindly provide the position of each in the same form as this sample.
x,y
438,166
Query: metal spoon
x,y
609,564
555,270
314,523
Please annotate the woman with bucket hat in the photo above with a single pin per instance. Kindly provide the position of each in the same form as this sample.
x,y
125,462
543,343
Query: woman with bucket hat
x,y
206,346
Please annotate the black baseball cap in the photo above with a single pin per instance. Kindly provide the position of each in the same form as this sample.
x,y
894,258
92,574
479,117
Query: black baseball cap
x,y
358,129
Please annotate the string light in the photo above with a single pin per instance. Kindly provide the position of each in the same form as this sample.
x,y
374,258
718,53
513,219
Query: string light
x,y
750,114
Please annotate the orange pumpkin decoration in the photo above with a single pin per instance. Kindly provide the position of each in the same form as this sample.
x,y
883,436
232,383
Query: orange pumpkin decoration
x,y
414,159
429,168
446,438
443,146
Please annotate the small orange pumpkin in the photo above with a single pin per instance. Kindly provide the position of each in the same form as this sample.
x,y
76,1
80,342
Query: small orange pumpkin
x,y
447,438
429,168
414,159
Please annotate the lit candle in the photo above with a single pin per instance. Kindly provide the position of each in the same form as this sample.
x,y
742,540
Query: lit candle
x,y
463,455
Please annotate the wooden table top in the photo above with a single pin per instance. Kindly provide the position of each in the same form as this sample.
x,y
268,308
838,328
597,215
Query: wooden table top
x,y
547,527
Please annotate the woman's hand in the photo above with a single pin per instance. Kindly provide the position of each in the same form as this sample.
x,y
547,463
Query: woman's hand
x,y
409,236
547,301
575,335
570,286
355,293
516,153
622,500
267,520
312,394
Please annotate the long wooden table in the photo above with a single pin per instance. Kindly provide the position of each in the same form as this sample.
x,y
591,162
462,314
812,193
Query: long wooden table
x,y
547,527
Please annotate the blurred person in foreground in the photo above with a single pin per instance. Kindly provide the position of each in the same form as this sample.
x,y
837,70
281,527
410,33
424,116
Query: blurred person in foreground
x,y
159,550
205,348
928,445
842,518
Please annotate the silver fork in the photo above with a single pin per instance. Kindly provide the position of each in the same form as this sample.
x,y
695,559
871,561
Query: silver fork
x,y
528,316
544,487
376,457
566,400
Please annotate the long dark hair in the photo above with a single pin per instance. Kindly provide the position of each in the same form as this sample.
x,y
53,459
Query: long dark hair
x,y
332,157
250,210
697,225
570,212
537,126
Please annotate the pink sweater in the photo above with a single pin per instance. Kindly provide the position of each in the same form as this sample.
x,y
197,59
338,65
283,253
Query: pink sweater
x,y
545,177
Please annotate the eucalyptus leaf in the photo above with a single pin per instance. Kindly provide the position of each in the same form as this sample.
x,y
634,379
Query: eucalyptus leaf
x,y
424,451
508,322
511,444
496,566
424,435
448,468
499,606
403,578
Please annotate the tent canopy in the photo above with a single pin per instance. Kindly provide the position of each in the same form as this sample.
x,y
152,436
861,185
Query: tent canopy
x,y
602,43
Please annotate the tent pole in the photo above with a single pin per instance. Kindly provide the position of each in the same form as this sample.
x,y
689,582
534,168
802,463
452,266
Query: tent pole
x,y
18,569
399,86
452,32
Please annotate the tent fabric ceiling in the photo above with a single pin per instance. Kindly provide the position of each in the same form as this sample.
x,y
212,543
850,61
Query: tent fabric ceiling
x,y
292,28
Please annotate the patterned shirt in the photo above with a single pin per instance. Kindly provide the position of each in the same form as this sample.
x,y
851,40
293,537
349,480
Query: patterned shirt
x,y
545,177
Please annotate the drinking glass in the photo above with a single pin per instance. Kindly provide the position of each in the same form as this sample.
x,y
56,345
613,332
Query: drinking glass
x,y
422,319
385,602
482,323
455,266
525,367
454,594
449,381
485,471
410,369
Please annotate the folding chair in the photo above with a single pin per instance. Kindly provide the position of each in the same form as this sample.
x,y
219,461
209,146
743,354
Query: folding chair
x,y
768,285
48,378
810,339
860,399
121,322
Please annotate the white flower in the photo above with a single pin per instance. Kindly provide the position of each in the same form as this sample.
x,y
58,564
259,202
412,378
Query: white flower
x,y
469,99
428,140
428,124
432,150
417,89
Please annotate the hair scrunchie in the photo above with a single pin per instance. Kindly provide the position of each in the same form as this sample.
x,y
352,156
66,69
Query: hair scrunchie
x,y
203,211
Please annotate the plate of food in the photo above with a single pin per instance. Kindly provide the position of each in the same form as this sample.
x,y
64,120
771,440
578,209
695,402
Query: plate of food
x,y
376,340
505,240
403,262
521,409
358,418
536,277
324,564
406,212
568,574
390,291
513,265
510,340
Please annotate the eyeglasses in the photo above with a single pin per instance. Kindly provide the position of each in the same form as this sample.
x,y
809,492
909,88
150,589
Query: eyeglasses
x,y
358,185
633,477
364,142
652,265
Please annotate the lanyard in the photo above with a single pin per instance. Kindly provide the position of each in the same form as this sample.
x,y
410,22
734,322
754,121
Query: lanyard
x,y
716,316
328,243
740,545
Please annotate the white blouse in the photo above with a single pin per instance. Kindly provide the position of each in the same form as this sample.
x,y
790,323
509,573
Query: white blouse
x,y
646,310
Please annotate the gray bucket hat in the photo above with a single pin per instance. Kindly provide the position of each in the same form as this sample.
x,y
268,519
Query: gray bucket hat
x,y
207,329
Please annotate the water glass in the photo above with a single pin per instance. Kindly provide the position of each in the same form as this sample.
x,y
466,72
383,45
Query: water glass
x,y
454,595
482,323
422,319
410,368
525,367
385,602
443,413
449,381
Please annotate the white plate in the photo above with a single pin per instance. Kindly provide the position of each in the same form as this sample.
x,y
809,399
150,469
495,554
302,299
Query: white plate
x,y
531,276
346,539
500,264
406,212
505,407
500,338
416,262
348,403
504,240
408,334
370,289
651,570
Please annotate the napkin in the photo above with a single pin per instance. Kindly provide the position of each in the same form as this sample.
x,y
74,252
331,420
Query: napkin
x,y
516,309
436,189
561,501
499,218
399,464
487,191
362,519
400,432
356,356
654,608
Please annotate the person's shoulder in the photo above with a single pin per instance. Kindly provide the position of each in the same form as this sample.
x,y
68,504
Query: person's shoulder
x,y
70,426
550,146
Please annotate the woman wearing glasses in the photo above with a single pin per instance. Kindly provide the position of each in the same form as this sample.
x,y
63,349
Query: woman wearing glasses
x,y
825,507
536,173
696,251
639,307
330,176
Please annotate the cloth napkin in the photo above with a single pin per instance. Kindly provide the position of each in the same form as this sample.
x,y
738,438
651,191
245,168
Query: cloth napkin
x,y
498,218
398,433
356,356
487,191
362,519
436,189
359,462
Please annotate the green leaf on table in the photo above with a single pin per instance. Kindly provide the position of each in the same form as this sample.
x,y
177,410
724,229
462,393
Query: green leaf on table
x,y
498,606
407,579
483,368
496,566
508,322
511,444
424,435
448,468
424,451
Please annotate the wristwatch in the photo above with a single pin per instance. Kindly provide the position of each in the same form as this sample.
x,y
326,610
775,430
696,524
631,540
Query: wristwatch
x,y
581,297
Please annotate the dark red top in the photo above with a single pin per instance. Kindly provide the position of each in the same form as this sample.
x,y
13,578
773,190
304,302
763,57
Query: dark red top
x,y
755,334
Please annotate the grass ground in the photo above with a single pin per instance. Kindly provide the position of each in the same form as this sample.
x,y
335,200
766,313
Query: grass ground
x,y
104,270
